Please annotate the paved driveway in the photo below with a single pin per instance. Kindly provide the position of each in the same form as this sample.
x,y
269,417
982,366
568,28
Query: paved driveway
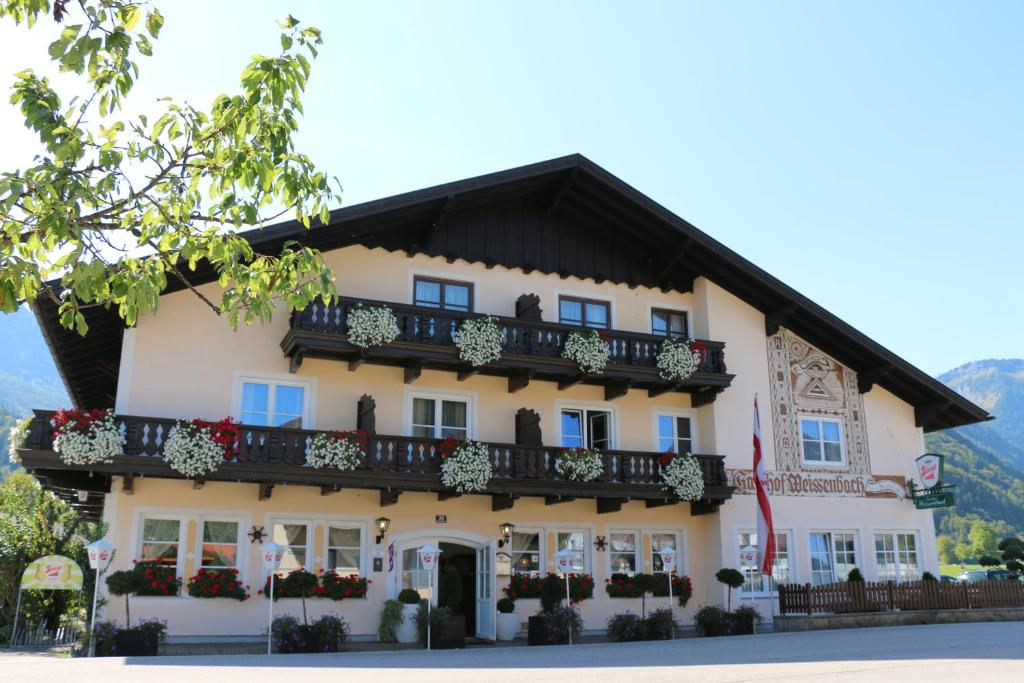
x,y
965,653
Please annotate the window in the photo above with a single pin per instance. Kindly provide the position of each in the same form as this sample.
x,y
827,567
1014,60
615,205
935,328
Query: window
x,y
669,323
443,294
660,539
753,579
344,549
584,312
822,440
436,418
220,545
623,547
674,434
896,556
161,540
576,541
413,574
833,555
295,537
525,552
582,428
273,404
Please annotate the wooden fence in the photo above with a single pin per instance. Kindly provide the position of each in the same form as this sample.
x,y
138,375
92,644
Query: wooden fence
x,y
837,598
39,637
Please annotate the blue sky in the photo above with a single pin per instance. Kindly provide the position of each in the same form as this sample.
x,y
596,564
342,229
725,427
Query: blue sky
x,y
868,154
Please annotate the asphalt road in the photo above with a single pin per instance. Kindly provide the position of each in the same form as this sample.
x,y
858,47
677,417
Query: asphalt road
x,y
964,653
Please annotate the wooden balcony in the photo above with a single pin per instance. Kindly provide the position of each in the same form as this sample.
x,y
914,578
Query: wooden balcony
x,y
268,456
531,350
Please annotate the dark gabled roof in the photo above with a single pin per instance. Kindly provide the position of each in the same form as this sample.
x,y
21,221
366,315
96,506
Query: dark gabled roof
x,y
566,216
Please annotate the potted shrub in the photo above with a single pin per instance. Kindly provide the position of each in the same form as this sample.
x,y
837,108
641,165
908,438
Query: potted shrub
x,y
561,623
551,592
144,578
326,634
731,578
391,620
508,620
441,634
410,601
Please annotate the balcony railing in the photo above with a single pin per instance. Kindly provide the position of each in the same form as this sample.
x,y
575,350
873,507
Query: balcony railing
x,y
530,349
277,455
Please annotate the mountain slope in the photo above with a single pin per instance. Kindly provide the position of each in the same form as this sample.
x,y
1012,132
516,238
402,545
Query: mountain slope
x,y
998,387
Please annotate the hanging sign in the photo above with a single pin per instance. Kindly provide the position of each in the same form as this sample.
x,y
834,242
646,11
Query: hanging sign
x,y
748,556
929,469
52,573
931,500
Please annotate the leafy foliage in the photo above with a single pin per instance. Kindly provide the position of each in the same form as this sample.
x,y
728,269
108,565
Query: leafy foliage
x,y
115,206
34,523
391,618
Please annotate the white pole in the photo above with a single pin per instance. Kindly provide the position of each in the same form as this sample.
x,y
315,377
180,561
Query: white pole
x,y
14,633
568,601
270,614
429,600
671,607
92,622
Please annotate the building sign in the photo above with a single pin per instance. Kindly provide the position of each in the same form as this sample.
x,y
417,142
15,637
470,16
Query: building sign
x,y
929,500
929,469
52,573
820,484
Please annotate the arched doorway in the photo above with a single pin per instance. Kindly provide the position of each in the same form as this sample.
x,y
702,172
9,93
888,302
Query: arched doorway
x,y
470,555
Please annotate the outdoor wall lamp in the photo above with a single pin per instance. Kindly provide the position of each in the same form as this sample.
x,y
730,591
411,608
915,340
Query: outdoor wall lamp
x,y
382,527
506,530
83,496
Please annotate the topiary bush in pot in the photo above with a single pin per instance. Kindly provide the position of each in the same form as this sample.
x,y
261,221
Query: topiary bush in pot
x,y
508,620
410,601
731,578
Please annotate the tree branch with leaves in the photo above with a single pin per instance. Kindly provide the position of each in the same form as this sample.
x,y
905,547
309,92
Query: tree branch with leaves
x,y
115,207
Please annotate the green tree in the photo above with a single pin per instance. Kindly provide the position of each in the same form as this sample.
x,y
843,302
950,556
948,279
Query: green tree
x,y
946,548
1013,554
114,207
984,540
34,523
732,578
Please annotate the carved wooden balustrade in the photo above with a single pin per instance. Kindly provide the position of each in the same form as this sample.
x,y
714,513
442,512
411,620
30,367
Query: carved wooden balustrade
x,y
530,349
393,464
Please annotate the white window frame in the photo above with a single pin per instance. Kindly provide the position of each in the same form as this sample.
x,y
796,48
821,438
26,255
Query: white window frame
x,y
648,559
468,397
858,551
472,281
892,533
240,555
179,567
542,542
790,551
587,559
842,441
691,415
613,419
310,536
638,550
364,530
308,384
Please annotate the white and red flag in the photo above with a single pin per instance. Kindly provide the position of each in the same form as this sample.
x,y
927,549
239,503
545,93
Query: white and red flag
x,y
765,529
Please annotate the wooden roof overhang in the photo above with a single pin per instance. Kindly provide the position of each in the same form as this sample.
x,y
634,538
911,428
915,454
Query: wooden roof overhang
x,y
567,216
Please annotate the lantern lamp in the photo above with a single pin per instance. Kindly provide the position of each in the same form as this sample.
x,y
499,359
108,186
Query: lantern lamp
x,y
382,527
506,530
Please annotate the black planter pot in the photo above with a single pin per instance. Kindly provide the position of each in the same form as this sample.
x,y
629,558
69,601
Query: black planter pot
x,y
132,643
306,640
451,638
537,633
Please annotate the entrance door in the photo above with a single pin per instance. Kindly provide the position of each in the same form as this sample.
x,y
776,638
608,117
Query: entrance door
x,y
485,585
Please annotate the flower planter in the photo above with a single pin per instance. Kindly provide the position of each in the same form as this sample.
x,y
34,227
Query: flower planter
x,y
132,643
537,633
451,638
508,625
406,631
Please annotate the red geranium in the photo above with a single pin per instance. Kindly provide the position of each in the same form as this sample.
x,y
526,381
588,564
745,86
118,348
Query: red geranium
x,y
75,420
217,583
666,458
224,433
448,446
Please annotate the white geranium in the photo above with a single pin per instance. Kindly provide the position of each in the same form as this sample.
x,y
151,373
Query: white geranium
x,y
19,432
588,351
677,359
340,450
86,437
468,468
479,341
191,450
683,477
579,464
371,326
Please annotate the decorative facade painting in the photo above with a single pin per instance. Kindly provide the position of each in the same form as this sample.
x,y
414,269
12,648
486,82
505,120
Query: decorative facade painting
x,y
806,382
